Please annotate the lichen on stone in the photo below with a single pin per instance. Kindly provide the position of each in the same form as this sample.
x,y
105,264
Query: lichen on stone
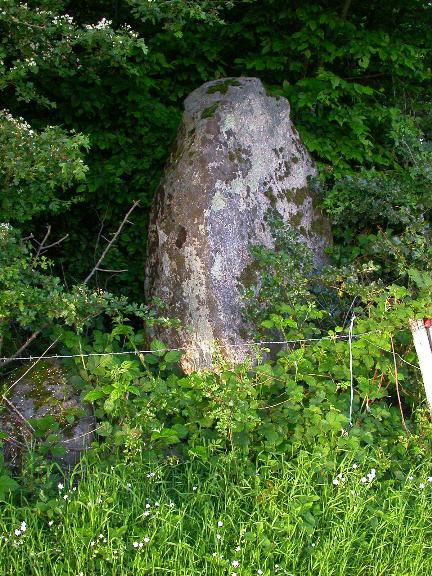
x,y
243,164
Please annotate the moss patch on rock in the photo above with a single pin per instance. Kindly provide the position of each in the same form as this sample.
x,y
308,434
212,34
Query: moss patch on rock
x,y
222,86
209,112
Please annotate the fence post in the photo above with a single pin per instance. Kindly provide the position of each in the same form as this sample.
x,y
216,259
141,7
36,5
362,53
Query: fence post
x,y
421,332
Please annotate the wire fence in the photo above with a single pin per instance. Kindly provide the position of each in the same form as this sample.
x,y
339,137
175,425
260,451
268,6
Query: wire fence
x,y
350,337
246,344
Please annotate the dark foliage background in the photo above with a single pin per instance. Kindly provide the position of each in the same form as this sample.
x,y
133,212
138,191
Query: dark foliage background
x,y
352,71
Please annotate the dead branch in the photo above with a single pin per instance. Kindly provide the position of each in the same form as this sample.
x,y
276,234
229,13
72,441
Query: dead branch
x,y
31,367
111,242
15,409
41,245
29,340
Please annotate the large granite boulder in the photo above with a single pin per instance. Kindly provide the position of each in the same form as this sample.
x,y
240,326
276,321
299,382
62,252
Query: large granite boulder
x,y
45,407
237,159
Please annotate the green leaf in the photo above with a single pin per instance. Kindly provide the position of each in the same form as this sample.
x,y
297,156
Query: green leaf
x,y
172,356
94,395
181,430
151,359
104,428
157,347
7,484
58,451
422,280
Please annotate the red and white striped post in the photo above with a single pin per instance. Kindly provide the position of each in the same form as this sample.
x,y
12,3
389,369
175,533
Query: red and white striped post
x,y
422,336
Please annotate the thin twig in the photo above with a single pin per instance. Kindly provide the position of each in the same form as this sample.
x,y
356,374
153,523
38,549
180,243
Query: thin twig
x,y
45,248
398,355
100,235
111,242
41,244
15,409
39,358
23,347
14,441
404,426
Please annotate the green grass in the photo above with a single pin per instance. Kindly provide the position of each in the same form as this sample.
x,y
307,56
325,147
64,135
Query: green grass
x,y
285,518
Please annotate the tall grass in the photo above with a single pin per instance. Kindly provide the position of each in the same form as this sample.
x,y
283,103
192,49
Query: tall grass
x,y
293,518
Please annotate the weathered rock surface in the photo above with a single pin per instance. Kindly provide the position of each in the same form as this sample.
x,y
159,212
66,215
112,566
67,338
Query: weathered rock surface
x,y
43,392
237,158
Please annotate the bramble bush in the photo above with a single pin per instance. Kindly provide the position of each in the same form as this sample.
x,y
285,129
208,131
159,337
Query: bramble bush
x,y
359,92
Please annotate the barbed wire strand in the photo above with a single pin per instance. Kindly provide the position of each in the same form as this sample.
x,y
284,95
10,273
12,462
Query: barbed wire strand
x,y
248,344
401,358
350,336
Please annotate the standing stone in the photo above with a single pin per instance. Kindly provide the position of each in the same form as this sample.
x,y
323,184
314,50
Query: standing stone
x,y
237,158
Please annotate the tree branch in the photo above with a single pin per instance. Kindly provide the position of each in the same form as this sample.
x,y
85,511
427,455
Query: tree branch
x,y
345,9
41,245
111,242
31,367
22,348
